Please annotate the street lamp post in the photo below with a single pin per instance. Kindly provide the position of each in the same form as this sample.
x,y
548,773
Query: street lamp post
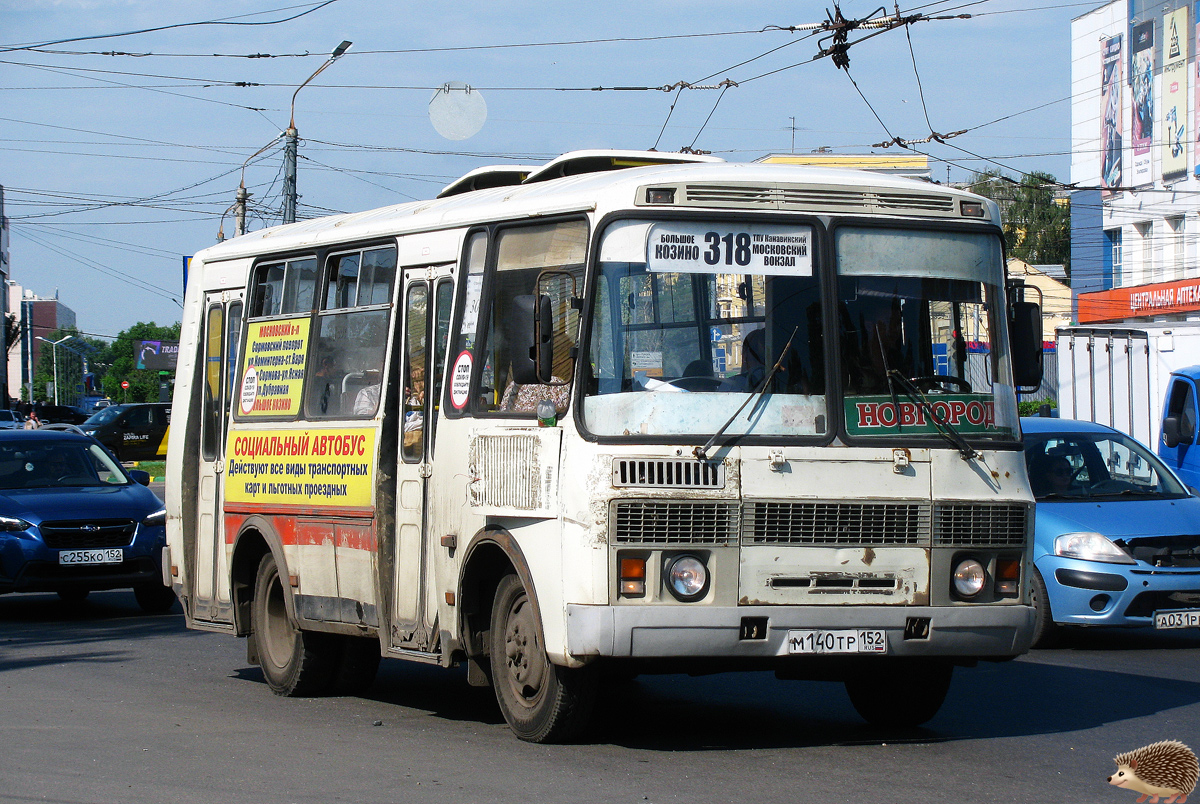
x,y
291,139
54,351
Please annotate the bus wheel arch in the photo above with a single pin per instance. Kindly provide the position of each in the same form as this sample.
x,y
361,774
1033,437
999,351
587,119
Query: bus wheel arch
x,y
490,555
505,644
255,539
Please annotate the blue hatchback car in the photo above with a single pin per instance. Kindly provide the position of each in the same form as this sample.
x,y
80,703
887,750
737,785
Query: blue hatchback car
x,y
1117,535
72,520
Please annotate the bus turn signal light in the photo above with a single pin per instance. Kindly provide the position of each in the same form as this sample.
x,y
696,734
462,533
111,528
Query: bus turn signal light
x,y
1008,576
633,577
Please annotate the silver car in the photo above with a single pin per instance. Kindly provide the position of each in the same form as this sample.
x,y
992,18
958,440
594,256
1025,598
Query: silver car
x,y
11,420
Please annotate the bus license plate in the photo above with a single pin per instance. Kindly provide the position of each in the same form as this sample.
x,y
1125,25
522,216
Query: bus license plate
x,y
1188,618
112,555
858,640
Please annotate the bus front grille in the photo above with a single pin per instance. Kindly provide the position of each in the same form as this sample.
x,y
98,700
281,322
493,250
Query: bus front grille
x,y
660,473
835,523
664,523
976,525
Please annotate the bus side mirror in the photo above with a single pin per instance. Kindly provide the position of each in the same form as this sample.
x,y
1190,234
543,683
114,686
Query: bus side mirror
x,y
1170,431
1025,339
532,340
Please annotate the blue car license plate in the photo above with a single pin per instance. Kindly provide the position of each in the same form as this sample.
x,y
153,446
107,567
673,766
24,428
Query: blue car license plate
x,y
111,555
1185,618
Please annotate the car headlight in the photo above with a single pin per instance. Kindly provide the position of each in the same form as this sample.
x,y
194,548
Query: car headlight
x,y
159,517
687,577
1090,547
12,523
969,578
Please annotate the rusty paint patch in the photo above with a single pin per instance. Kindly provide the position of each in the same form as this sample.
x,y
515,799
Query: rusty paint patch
x,y
868,556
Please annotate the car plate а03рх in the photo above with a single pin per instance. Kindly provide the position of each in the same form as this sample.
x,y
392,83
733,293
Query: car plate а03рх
x,y
855,640
111,555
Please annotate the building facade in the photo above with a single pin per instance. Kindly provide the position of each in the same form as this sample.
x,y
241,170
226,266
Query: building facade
x,y
36,318
1135,123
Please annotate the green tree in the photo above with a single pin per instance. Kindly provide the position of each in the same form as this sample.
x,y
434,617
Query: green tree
x,y
1037,226
122,363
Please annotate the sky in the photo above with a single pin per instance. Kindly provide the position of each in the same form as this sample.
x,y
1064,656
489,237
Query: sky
x,y
125,132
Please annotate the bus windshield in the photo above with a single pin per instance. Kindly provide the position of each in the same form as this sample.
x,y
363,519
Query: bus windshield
x,y
691,317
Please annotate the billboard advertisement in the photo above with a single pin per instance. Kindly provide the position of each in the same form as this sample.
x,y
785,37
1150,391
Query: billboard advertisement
x,y
1142,80
157,355
1174,95
1110,120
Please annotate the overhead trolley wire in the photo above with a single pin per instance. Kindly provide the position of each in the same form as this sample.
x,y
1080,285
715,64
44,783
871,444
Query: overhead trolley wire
x,y
222,21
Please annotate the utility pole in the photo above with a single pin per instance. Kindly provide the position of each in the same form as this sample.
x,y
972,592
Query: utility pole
x,y
239,214
291,139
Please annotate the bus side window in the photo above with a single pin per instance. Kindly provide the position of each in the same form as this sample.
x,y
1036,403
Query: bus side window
x,y
415,357
523,254
284,287
346,362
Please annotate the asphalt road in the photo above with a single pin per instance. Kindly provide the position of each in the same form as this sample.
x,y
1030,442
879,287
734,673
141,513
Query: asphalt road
x,y
104,704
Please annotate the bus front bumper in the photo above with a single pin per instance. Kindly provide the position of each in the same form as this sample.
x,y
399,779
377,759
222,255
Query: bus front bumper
x,y
983,631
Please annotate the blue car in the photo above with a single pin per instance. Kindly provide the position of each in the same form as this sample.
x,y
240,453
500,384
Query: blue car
x,y
1117,535
73,520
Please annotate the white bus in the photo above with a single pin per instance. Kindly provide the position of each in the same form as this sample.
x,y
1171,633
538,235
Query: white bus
x,y
623,413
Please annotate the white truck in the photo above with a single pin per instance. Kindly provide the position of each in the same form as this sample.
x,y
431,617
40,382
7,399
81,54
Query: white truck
x,y
1118,376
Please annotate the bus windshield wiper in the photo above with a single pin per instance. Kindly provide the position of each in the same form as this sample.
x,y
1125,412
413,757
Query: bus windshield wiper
x,y
943,427
701,453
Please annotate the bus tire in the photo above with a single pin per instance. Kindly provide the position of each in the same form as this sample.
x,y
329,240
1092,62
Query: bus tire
x,y
542,702
900,694
294,662
1046,632
357,665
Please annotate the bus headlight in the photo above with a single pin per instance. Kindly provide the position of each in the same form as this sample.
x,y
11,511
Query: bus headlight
x,y
687,577
969,578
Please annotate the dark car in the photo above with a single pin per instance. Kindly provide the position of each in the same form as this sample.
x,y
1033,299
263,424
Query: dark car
x,y
59,414
73,520
133,432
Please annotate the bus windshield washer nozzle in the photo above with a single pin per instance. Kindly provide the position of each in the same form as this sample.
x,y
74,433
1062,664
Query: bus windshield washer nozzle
x,y
547,414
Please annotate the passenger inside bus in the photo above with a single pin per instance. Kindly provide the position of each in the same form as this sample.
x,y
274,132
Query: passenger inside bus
x,y
325,386
754,368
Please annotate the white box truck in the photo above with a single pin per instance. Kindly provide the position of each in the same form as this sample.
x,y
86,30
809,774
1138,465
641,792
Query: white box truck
x,y
1118,375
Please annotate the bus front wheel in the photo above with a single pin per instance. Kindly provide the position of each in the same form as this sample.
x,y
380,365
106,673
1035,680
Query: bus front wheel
x,y
900,694
542,702
294,662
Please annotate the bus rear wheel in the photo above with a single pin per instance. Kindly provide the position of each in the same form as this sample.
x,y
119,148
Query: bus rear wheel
x,y
542,702
902,693
294,662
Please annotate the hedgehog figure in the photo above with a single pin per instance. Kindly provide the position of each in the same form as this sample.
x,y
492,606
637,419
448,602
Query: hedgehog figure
x,y
1168,769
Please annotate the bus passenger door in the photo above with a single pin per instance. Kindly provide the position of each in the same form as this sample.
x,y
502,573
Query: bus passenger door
x,y
222,332
425,303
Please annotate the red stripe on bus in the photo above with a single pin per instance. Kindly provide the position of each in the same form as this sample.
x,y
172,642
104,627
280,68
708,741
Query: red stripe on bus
x,y
310,530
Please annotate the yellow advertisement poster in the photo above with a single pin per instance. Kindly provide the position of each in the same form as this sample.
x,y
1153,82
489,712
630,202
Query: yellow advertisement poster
x,y
318,468
1174,95
273,370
